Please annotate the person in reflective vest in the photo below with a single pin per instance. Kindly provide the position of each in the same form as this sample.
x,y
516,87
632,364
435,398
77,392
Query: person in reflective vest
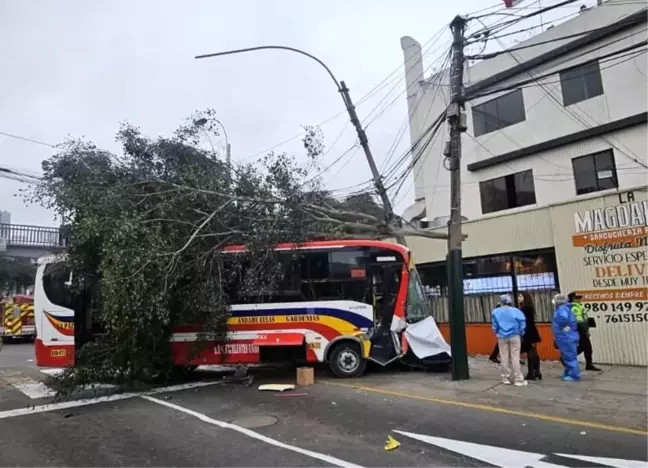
x,y
584,345
566,337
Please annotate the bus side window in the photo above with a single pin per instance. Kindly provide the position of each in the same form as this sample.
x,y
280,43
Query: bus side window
x,y
56,279
335,275
287,287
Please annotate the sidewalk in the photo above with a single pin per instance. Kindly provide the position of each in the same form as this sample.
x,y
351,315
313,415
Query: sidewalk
x,y
617,396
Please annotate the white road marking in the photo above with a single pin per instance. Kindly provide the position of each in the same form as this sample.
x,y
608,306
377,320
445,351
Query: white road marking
x,y
502,457
63,405
255,435
616,462
52,371
93,401
494,455
34,390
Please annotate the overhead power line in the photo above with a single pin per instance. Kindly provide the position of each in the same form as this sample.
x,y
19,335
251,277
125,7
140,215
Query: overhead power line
x,y
571,112
536,78
628,21
29,140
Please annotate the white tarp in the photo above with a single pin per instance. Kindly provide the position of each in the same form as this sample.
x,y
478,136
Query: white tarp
x,y
425,339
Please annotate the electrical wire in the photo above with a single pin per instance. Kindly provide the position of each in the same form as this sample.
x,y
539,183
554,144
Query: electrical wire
x,y
530,28
569,111
422,151
629,22
381,85
535,78
29,140
412,112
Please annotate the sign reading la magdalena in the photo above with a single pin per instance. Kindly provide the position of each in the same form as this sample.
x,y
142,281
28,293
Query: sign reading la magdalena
x,y
614,246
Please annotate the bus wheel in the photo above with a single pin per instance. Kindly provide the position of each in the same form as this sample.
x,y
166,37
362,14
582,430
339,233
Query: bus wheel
x,y
346,360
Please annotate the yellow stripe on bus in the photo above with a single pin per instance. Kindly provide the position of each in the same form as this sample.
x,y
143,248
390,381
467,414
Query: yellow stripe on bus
x,y
339,325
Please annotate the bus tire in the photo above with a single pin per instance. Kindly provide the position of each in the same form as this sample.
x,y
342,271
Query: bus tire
x,y
346,361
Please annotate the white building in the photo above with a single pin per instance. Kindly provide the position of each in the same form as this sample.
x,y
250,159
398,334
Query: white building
x,y
579,128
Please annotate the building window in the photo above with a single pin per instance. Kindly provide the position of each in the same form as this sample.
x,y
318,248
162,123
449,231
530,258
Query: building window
x,y
499,113
581,83
507,192
595,172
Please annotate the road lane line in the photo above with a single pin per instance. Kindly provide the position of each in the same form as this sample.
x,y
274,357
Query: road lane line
x,y
63,405
495,409
103,399
255,435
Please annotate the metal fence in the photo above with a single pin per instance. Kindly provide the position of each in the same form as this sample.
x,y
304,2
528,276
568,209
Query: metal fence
x,y
20,235
478,307
487,278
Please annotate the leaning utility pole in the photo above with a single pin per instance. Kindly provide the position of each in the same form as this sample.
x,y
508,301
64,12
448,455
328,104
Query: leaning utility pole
x,y
457,122
362,136
364,142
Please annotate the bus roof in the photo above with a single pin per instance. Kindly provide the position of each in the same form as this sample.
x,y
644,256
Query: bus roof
x,y
331,244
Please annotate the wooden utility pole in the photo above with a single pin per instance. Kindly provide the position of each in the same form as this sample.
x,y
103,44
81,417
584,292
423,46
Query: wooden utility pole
x,y
364,142
391,220
457,123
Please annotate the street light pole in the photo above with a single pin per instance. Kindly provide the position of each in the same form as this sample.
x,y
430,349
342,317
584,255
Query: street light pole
x,y
348,104
228,148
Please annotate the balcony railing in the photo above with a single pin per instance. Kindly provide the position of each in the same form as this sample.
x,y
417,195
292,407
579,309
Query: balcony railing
x,y
20,235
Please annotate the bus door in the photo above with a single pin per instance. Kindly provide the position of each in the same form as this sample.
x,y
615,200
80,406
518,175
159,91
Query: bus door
x,y
384,270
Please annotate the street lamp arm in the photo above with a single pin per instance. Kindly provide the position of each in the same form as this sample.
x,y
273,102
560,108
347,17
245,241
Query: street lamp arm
x,y
291,49
224,131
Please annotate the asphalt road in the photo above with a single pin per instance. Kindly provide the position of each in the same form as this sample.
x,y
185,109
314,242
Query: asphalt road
x,y
231,425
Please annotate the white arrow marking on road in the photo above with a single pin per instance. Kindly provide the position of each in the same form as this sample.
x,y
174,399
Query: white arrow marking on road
x,y
497,456
502,457
616,462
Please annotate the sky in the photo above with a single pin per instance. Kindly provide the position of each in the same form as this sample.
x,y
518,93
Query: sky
x,y
78,68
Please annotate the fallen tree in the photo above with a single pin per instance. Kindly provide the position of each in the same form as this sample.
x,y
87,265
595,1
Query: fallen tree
x,y
147,227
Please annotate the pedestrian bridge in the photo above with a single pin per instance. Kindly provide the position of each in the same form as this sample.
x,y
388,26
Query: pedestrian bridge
x,y
19,240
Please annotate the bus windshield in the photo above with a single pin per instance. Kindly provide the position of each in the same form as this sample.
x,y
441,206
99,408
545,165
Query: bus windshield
x,y
418,307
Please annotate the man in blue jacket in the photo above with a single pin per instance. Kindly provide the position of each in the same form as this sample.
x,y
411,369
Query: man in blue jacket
x,y
565,330
509,324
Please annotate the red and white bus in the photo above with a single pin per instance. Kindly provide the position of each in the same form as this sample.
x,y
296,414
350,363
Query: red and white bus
x,y
340,302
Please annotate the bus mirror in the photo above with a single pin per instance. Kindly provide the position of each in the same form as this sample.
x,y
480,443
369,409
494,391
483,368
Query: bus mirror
x,y
68,283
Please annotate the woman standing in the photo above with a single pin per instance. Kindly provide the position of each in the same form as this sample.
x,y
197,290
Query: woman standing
x,y
531,336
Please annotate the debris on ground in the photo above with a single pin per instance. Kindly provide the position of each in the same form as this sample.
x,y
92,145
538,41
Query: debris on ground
x,y
291,394
240,376
276,387
305,376
391,444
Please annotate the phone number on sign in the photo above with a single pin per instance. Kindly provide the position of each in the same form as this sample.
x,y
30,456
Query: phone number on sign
x,y
617,312
615,306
